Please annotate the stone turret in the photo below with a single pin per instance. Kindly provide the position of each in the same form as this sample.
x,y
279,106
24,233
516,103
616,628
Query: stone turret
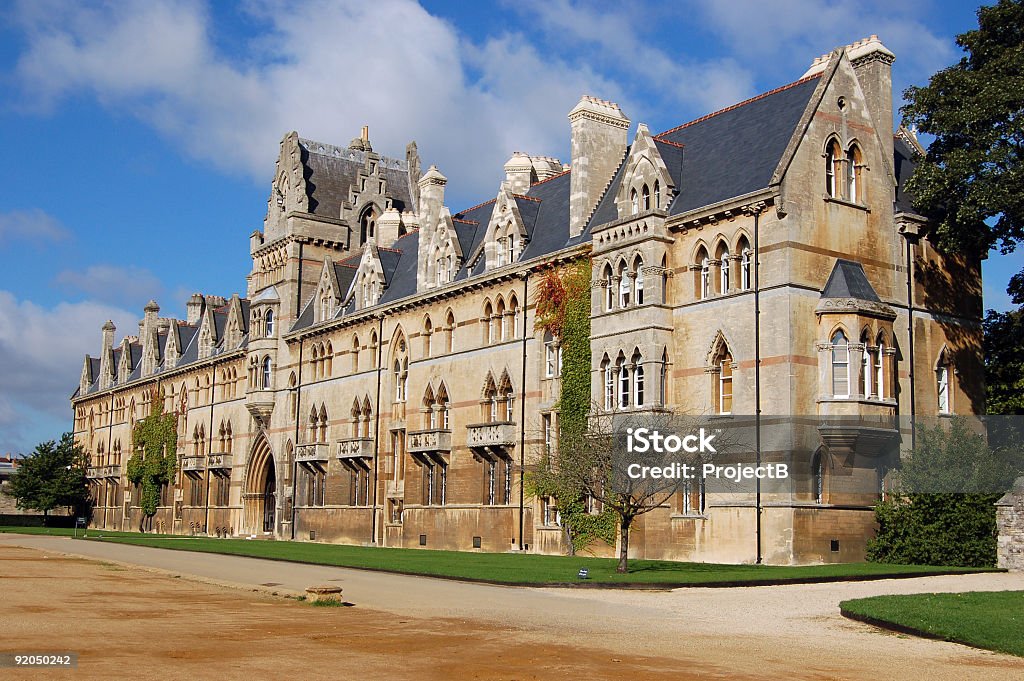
x,y
519,173
599,131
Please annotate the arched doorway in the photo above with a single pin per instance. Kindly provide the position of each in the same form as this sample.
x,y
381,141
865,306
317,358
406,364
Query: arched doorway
x,y
269,501
260,493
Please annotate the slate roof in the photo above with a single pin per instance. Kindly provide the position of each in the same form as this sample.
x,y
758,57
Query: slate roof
x,y
188,336
849,281
332,171
734,151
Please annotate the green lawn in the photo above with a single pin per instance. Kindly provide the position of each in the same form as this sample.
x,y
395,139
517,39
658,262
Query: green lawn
x,y
991,620
507,568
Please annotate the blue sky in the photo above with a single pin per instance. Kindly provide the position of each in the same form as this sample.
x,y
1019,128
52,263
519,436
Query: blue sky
x,y
139,137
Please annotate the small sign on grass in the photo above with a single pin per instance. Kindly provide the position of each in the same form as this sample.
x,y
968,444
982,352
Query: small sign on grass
x,y
584,573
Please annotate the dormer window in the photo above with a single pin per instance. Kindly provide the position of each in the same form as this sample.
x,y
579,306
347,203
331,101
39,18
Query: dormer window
x,y
657,194
645,196
268,324
833,157
853,168
634,202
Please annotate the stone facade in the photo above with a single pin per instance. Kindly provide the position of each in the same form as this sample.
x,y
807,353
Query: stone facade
x,y
382,381
1010,521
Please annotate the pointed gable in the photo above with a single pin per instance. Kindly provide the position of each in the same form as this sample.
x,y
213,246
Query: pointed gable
x,y
645,182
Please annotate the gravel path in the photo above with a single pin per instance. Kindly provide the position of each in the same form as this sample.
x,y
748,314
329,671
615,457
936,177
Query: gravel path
x,y
777,632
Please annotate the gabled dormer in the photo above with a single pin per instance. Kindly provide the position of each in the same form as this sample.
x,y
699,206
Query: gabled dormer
x,y
646,183
235,327
172,346
506,232
207,331
369,282
86,379
327,297
442,254
124,364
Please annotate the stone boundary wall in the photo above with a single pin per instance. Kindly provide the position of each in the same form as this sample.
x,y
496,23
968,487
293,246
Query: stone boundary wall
x,y
1010,521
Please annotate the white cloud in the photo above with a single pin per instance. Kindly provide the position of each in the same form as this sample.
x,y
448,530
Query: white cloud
x,y
111,283
326,68
41,354
616,38
30,225
789,34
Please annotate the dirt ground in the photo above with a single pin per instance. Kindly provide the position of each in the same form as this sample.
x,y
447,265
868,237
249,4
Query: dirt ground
x,y
131,623
135,619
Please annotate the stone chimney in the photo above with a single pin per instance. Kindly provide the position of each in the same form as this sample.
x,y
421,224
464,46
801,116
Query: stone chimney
x,y
107,368
431,200
599,131
388,225
872,62
412,159
194,308
519,173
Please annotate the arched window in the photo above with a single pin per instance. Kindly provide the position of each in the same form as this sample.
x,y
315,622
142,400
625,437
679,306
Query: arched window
x,y
502,320
867,365
367,225
638,281
880,367
609,288
488,322
444,407
663,378
745,260
507,398
268,324
428,333
723,269
818,477
943,371
840,364
624,381
449,332
722,388
705,277
510,244
327,357
833,158
399,383
853,168
657,194
513,312
634,202
638,379
266,373
645,195
623,286
428,409
355,354
608,377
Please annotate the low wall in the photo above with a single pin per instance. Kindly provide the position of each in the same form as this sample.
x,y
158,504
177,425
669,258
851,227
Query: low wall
x,y
1010,521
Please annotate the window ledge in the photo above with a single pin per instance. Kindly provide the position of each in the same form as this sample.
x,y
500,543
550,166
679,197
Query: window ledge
x,y
844,202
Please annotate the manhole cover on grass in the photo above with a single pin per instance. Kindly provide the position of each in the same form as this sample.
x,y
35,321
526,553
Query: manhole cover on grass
x,y
271,584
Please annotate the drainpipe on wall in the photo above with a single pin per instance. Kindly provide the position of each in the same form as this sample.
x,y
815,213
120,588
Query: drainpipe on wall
x,y
375,356
756,209
911,240
298,410
522,417
206,469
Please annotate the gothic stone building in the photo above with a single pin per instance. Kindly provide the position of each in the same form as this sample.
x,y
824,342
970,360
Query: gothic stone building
x,y
383,382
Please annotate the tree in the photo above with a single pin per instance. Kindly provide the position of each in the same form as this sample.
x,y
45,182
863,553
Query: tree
x,y
154,463
1004,361
53,476
971,183
941,510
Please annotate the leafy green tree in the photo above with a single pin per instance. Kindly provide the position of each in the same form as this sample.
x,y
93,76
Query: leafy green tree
x,y
970,182
52,477
1004,361
154,463
942,511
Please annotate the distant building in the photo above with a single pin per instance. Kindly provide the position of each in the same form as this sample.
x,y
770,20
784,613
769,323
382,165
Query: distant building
x,y
383,382
8,465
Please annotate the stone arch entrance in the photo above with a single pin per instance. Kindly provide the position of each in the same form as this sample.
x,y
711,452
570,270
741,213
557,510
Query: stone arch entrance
x,y
259,497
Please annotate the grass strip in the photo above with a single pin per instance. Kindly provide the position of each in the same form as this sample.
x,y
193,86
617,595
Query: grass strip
x,y
993,620
513,568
